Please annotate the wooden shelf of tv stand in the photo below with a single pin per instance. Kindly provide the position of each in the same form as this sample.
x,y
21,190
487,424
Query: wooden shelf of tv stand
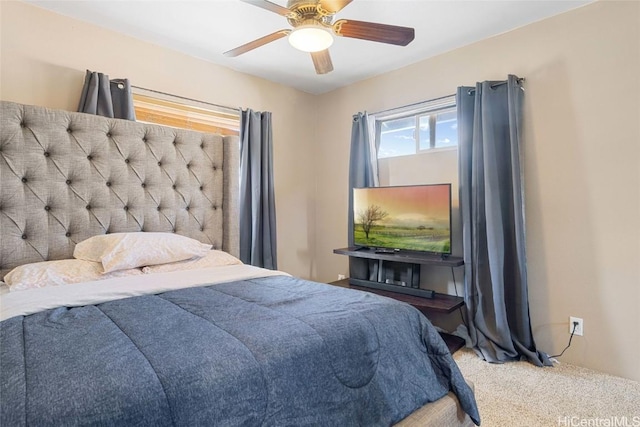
x,y
409,257
441,303
435,302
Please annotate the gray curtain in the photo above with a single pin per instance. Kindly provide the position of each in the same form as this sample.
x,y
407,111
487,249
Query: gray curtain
x,y
363,172
363,162
257,201
108,98
493,219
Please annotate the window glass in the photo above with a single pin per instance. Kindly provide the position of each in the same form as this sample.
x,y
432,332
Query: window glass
x,y
417,128
425,132
171,110
446,129
397,137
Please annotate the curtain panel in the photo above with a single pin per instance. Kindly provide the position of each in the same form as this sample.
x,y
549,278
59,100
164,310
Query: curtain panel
x,y
493,219
108,98
257,200
363,171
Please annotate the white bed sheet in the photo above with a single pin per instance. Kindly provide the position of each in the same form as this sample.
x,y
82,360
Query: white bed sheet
x,y
78,294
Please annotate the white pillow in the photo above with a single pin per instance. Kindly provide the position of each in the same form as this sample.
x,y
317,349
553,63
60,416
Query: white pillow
x,y
213,258
119,251
62,272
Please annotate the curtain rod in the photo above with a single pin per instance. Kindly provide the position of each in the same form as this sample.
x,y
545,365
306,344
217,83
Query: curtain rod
x,y
500,83
519,80
411,105
187,99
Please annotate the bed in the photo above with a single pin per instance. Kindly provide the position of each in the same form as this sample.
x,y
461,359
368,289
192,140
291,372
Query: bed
x,y
125,303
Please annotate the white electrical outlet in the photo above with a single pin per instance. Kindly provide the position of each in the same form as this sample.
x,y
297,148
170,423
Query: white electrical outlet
x,y
341,277
579,328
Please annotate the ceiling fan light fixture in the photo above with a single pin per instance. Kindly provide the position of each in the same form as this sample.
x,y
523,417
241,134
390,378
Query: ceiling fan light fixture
x,y
310,38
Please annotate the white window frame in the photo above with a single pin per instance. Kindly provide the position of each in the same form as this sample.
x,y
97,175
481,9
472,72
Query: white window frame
x,y
427,108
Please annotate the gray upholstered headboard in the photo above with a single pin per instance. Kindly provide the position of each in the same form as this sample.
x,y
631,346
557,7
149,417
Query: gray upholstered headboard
x,y
67,176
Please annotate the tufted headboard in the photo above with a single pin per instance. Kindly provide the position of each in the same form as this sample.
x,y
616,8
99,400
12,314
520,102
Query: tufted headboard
x,y
68,176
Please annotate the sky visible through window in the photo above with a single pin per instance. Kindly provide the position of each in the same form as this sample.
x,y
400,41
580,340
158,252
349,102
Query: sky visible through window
x,y
398,137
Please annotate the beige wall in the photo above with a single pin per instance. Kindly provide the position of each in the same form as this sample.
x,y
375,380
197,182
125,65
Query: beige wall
x,y
582,73
44,57
582,165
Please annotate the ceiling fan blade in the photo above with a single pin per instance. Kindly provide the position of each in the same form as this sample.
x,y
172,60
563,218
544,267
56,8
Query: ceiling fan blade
x,y
382,33
272,7
257,43
322,61
333,6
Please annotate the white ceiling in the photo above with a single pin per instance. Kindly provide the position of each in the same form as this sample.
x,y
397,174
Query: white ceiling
x,y
206,29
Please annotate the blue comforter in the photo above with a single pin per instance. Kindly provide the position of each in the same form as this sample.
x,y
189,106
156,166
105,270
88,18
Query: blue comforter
x,y
274,351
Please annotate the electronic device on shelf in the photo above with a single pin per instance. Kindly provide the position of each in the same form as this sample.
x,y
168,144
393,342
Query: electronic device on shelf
x,y
385,251
403,218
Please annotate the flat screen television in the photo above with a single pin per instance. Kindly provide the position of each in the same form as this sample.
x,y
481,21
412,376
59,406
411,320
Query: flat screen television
x,y
412,218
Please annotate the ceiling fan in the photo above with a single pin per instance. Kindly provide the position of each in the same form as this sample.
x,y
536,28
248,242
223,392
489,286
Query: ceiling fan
x,y
313,29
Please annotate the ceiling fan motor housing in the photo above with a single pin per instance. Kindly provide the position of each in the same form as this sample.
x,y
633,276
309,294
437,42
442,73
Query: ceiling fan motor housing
x,y
308,12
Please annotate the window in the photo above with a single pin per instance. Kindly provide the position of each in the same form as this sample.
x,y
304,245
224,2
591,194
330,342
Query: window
x,y
417,128
169,110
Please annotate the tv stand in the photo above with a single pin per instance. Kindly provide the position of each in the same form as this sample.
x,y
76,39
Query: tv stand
x,y
433,302
406,263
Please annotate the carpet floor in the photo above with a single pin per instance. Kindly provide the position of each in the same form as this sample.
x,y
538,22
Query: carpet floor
x,y
518,394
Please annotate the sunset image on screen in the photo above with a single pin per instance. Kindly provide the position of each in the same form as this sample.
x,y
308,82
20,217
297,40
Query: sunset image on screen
x,y
411,217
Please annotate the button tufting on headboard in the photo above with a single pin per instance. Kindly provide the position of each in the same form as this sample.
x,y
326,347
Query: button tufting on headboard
x,y
68,176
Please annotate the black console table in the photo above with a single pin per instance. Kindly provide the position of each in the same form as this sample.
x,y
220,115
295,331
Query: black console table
x,y
402,266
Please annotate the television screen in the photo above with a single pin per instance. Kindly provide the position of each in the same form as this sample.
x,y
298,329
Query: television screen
x,y
414,217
